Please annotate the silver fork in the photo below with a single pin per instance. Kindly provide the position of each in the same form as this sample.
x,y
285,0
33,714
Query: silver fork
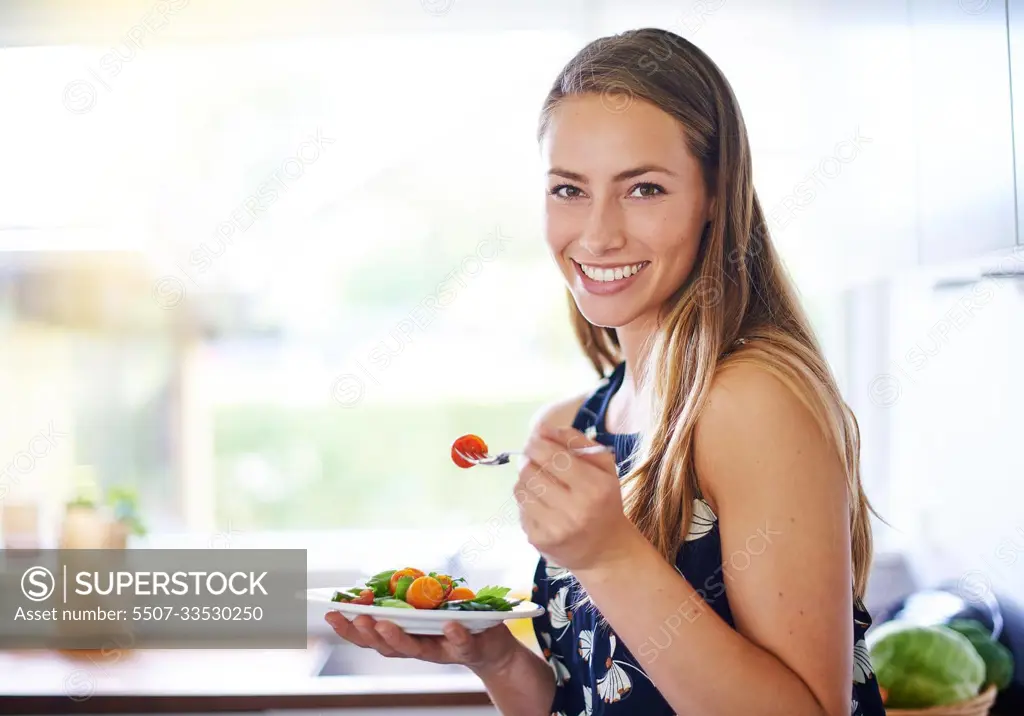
x,y
502,458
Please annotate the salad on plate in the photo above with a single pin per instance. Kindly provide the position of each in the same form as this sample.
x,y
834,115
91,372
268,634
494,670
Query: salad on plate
x,y
422,603
411,588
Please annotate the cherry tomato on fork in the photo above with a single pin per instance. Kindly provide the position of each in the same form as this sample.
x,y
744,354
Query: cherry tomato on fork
x,y
471,445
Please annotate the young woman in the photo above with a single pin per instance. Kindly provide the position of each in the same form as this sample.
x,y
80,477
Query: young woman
x,y
714,560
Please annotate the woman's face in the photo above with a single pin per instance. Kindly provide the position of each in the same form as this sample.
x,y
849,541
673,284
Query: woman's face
x,y
625,209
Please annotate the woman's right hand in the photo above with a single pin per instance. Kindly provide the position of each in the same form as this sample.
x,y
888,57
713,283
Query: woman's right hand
x,y
488,651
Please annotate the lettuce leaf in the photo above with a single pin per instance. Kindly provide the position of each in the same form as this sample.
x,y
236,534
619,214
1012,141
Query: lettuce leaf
x,y
498,592
482,604
380,583
402,586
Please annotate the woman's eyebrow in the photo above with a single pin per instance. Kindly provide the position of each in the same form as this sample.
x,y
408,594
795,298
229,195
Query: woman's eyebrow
x,y
627,174
642,169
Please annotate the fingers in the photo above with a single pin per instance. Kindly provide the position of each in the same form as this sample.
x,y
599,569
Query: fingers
x,y
361,632
554,448
405,644
343,628
575,440
457,646
537,485
460,643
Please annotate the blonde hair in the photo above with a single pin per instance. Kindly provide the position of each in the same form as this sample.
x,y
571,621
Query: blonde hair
x,y
737,305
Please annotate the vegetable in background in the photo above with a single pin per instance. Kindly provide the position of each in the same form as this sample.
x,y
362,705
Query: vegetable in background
x,y
924,666
998,659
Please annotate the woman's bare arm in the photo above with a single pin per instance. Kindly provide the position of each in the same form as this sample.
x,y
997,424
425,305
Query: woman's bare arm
x,y
522,686
780,493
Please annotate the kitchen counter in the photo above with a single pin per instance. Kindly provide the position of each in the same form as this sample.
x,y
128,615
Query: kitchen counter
x,y
321,677
161,681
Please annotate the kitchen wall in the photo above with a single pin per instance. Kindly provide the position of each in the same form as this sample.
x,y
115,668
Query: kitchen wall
x,y
952,390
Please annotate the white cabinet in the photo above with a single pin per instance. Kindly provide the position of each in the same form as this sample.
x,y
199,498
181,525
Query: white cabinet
x,y
1015,23
824,86
964,129
881,131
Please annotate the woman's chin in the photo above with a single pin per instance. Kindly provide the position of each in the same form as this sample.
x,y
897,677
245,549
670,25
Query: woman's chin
x,y
606,316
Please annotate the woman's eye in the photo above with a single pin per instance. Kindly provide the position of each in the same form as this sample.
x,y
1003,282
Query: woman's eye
x,y
646,190
566,191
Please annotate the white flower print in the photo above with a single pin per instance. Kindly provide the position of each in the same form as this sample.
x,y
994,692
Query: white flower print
x,y
588,701
559,616
561,672
616,682
703,520
556,573
586,644
555,661
861,662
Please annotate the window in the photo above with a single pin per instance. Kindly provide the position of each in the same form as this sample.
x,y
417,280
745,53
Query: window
x,y
346,269
268,283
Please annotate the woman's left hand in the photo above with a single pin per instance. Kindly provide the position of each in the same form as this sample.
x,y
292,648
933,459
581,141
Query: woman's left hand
x,y
570,505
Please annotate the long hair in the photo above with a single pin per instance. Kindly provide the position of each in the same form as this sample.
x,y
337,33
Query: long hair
x,y
737,305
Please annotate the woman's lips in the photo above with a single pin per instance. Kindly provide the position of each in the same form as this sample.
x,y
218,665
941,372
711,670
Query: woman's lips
x,y
605,288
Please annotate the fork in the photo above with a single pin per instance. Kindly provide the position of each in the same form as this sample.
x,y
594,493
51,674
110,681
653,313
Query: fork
x,y
502,458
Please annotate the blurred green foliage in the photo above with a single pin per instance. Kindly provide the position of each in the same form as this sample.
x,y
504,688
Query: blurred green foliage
x,y
375,465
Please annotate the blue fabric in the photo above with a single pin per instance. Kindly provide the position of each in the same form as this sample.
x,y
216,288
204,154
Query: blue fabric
x,y
594,671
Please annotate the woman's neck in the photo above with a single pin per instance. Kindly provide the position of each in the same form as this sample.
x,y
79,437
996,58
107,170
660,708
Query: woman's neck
x,y
634,341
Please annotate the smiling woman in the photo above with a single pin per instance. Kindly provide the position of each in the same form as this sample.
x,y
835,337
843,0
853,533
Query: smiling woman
x,y
595,204
682,305
705,342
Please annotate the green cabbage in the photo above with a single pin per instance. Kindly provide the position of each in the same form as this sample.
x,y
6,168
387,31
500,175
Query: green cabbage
x,y
998,659
924,666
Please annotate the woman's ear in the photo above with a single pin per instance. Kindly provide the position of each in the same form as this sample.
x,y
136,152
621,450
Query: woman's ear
x,y
711,208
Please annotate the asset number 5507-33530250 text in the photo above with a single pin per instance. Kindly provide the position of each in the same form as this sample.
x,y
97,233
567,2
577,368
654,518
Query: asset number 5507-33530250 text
x,y
218,613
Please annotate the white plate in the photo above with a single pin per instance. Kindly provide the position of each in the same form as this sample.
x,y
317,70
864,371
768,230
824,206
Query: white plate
x,y
423,621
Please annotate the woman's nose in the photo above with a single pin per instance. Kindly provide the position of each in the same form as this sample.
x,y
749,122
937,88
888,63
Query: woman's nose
x,y
603,231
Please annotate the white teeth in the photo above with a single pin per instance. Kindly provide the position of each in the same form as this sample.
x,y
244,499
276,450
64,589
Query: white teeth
x,y
596,273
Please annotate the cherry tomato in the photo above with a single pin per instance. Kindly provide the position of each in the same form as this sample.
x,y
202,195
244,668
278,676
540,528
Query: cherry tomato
x,y
446,582
425,593
471,445
460,593
365,597
407,572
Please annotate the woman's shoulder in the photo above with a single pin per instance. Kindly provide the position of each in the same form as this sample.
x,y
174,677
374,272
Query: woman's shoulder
x,y
767,405
758,380
558,413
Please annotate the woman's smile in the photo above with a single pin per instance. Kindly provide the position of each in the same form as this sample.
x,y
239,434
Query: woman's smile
x,y
605,279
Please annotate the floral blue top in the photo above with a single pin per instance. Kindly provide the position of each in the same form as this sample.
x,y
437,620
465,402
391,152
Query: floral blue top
x,y
594,671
